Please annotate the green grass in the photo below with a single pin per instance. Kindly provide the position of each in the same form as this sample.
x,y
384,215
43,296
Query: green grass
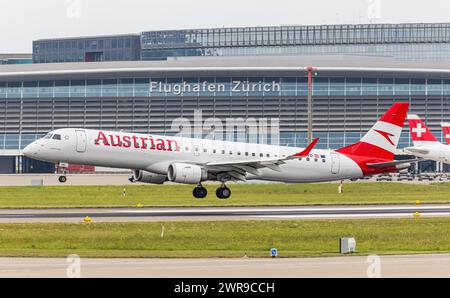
x,y
243,195
225,239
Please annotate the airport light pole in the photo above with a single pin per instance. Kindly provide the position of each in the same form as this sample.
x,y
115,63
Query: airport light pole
x,y
310,70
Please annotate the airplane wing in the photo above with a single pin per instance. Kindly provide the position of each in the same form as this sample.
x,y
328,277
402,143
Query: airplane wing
x,y
417,150
392,163
239,169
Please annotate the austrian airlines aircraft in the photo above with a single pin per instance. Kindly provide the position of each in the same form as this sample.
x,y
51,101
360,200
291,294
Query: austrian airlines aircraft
x,y
425,143
157,159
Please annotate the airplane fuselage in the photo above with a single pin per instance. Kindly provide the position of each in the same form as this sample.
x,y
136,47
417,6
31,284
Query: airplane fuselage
x,y
155,154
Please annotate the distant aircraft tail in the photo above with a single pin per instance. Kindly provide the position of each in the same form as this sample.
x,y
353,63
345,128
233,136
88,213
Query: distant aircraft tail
x,y
420,133
381,142
446,131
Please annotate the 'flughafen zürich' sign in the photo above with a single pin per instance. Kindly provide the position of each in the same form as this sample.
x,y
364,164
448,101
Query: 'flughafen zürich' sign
x,y
210,87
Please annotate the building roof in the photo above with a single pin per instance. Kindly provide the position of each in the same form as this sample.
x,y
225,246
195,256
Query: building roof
x,y
259,65
88,37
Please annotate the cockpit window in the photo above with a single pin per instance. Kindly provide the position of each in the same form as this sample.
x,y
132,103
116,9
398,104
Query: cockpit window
x,y
57,137
48,136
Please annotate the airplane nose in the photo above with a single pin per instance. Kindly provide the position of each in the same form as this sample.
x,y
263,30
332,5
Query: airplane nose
x,y
28,150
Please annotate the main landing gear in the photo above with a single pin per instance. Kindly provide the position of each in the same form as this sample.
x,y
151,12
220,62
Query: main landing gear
x,y
200,192
222,192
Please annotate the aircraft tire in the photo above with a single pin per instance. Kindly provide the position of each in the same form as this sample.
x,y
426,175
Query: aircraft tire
x,y
223,193
200,192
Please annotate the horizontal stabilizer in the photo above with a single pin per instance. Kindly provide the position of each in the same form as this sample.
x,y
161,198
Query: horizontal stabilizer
x,y
416,150
392,163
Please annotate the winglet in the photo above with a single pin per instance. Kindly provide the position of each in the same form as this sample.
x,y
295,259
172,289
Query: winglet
x,y
308,150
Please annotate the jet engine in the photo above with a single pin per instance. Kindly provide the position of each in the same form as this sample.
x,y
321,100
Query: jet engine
x,y
186,173
148,177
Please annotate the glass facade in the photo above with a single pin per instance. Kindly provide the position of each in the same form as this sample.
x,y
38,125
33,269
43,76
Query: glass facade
x,y
344,107
411,42
90,49
15,61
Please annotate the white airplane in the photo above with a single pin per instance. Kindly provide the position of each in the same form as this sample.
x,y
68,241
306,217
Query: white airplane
x,y
425,143
157,159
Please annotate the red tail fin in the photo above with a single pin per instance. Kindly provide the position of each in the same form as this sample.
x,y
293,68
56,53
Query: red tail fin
x,y
382,140
446,131
419,131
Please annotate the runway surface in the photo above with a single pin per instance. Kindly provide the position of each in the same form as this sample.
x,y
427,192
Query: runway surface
x,y
224,213
386,266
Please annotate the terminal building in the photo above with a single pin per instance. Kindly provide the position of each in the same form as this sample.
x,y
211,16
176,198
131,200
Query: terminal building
x,y
16,59
143,82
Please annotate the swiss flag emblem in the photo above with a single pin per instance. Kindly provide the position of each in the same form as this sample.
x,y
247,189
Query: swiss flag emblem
x,y
419,131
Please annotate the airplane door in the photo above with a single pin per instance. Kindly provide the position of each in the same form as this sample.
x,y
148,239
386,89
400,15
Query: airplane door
x,y
335,163
196,150
81,141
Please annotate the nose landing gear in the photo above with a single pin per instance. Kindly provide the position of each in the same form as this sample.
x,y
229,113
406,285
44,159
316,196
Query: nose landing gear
x,y
63,178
